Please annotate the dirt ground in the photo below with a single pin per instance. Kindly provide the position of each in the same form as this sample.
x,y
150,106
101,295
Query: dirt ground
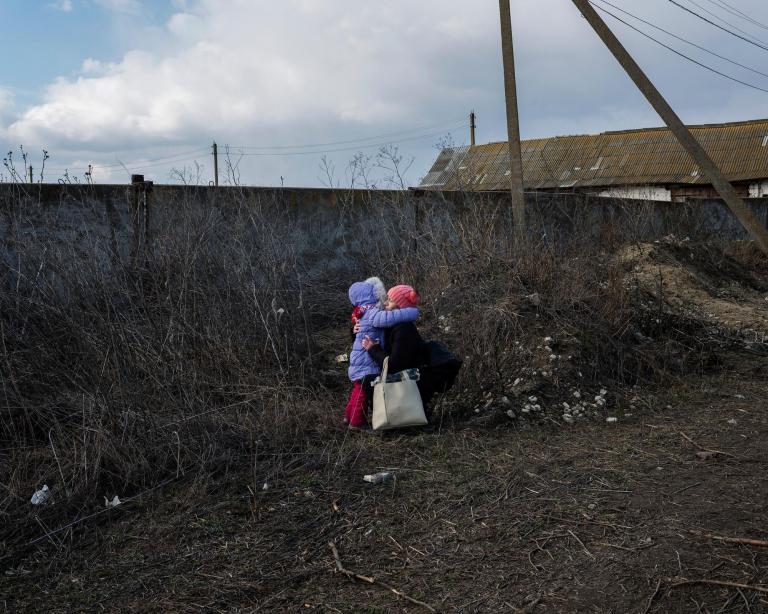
x,y
487,513
595,517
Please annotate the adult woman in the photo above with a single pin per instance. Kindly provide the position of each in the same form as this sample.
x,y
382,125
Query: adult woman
x,y
403,344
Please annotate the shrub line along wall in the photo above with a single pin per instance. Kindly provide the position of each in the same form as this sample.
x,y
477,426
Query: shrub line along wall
x,y
129,221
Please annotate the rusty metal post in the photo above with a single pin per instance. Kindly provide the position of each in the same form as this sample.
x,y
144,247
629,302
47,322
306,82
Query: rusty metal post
x,y
136,182
149,197
215,164
739,208
472,128
513,122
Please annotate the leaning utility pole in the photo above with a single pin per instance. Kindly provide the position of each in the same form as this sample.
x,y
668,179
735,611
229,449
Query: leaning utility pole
x,y
472,126
675,124
513,123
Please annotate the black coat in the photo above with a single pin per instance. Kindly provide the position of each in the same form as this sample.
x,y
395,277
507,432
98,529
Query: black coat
x,y
404,346
406,350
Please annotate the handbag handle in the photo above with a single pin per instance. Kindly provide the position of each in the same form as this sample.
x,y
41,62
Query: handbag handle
x,y
384,373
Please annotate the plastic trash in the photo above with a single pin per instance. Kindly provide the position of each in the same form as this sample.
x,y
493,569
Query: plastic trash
x,y
42,496
114,503
379,478
341,358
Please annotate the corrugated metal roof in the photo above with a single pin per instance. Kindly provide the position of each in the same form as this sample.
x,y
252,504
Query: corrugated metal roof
x,y
632,157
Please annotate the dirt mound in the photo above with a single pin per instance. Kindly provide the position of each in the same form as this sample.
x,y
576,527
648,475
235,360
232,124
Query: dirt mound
x,y
709,285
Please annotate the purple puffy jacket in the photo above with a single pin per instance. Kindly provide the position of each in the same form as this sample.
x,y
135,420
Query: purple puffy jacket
x,y
373,321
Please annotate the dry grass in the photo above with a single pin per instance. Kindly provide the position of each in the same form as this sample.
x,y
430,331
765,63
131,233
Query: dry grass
x,y
215,352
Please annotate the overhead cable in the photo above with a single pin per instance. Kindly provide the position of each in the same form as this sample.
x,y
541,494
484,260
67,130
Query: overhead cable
x,y
446,124
135,163
680,38
728,23
676,52
354,148
737,13
281,150
759,44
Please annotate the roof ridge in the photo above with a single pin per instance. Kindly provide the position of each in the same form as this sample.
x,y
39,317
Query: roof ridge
x,y
749,122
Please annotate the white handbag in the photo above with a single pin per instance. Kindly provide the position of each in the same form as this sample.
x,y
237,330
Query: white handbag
x,y
396,404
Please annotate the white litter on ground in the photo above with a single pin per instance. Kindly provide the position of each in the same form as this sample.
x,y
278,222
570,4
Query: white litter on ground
x,y
42,496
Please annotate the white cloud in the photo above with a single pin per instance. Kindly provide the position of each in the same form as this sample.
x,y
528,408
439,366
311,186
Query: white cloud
x,y
238,67
63,5
121,6
6,108
254,72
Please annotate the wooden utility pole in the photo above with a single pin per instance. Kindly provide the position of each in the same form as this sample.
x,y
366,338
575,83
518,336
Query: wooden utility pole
x,y
513,123
215,164
31,176
739,208
472,128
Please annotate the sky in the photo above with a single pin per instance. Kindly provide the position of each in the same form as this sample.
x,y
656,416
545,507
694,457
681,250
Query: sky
x,y
307,92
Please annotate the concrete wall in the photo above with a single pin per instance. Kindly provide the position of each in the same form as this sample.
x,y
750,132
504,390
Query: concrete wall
x,y
326,226
657,193
758,189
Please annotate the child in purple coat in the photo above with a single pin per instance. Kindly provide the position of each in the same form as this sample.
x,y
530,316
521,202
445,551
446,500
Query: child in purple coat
x,y
362,368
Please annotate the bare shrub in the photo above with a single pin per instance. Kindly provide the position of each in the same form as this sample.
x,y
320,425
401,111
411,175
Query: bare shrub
x,y
216,343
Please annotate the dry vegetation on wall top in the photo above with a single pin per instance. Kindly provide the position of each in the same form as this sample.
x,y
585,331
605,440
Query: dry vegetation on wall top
x,y
199,384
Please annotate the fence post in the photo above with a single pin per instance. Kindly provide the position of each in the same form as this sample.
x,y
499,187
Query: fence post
x,y
136,182
215,164
149,197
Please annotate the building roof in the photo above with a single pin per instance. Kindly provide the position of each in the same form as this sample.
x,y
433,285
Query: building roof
x,y
631,157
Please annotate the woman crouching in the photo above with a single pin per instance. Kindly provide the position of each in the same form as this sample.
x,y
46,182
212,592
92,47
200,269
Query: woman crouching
x,y
403,344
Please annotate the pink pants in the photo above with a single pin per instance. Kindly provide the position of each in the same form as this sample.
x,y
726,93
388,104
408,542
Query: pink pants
x,y
355,412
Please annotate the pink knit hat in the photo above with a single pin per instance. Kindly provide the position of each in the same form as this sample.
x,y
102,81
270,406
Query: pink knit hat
x,y
404,296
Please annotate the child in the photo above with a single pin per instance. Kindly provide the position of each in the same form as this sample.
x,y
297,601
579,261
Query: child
x,y
371,319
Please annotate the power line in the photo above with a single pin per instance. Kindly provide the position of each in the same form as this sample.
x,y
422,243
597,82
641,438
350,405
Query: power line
x,y
737,13
734,26
676,52
319,151
135,163
680,38
159,160
131,167
362,143
717,25
448,124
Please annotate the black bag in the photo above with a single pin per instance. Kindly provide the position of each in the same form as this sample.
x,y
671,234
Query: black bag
x,y
441,366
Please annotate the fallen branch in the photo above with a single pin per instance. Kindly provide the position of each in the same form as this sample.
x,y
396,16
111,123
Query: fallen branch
x,y
731,540
528,609
370,580
737,585
653,598
607,545
582,544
